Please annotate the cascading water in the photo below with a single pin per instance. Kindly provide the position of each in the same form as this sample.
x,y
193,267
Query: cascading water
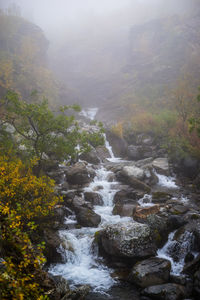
x,y
176,251
82,266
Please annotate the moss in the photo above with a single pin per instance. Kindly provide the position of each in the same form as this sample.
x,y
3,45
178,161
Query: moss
x,y
157,236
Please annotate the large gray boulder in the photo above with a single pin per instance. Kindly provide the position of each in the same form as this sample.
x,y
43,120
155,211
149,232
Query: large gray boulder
x,y
127,195
151,271
130,240
79,174
124,210
167,291
87,217
161,165
91,157
93,198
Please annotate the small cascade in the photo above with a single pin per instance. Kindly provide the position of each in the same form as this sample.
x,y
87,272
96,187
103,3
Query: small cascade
x,y
146,201
112,156
81,265
176,251
166,181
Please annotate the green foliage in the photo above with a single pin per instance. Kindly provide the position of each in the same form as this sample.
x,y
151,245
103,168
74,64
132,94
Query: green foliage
x,y
41,133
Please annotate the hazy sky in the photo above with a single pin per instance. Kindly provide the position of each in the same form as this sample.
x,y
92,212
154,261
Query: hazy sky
x,y
52,15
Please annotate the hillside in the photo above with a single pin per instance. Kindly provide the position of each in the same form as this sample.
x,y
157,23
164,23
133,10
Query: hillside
x,y
23,58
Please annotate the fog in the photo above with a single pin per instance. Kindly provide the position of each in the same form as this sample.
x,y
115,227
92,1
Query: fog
x,y
56,16
89,40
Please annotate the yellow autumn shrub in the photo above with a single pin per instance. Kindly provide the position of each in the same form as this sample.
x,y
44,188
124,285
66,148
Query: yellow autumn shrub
x,y
23,198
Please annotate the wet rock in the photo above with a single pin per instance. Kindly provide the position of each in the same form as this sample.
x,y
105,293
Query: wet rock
x,y
87,217
94,198
191,267
150,272
127,240
134,152
159,227
179,209
61,286
124,210
137,184
65,186
197,282
161,165
167,291
52,243
102,152
56,175
77,294
79,174
127,194
126,177
160,197
143,212
119,145
91,157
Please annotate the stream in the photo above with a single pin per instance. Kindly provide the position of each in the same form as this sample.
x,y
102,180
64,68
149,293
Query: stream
x,y
82,264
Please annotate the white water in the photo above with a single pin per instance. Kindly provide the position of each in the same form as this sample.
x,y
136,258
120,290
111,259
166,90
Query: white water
x,y
82,266
177,263
146,201
166,181
89,113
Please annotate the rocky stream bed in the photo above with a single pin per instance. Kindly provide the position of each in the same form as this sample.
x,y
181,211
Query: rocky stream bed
x,y
127,229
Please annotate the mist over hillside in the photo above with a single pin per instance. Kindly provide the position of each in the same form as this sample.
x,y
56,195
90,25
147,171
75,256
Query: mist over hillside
x,y
114,52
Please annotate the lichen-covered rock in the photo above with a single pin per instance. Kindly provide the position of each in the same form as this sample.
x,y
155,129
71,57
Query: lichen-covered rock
x,y
150,272
167,291
127,240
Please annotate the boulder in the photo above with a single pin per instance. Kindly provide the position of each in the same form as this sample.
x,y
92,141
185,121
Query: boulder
x,y
139,185
125,175
52,243
87,217
93,198
134,152
128,240
119,145
161,165
124,210
127,195
150,272
143,212
79,174
91,157
167,291
160,197
61,286
102,152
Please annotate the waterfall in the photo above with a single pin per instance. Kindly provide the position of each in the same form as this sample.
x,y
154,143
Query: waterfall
x,y
176,251
81,265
